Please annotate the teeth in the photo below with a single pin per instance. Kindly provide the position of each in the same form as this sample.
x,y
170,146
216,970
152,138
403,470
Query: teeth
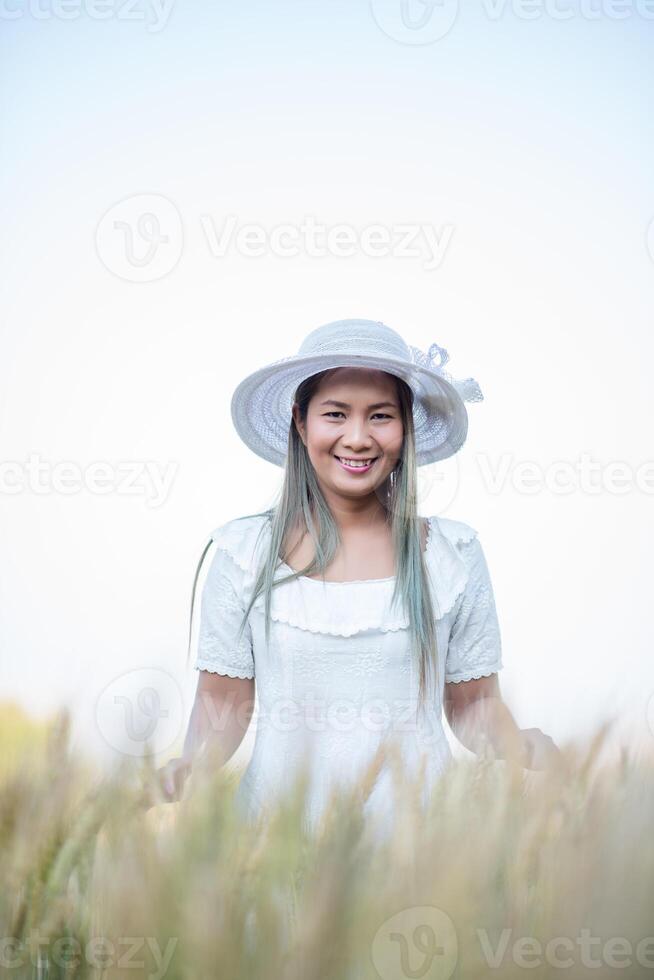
x,y
355,462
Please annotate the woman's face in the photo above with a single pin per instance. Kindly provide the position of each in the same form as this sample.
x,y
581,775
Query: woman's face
x,y
354,415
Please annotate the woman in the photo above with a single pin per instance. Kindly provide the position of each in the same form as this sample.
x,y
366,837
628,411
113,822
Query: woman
x,y
359,620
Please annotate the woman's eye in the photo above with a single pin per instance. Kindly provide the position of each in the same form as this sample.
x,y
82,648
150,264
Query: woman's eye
x,y
382,414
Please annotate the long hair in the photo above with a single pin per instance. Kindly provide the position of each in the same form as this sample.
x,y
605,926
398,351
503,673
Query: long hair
x,y
302,505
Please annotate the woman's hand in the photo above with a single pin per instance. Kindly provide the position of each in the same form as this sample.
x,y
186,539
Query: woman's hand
x,y
540,751
170,780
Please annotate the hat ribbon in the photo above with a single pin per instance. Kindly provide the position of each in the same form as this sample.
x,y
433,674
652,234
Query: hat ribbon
x,y
434,360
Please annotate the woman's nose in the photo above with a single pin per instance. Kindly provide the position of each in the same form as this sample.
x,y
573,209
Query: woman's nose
x,y
357,437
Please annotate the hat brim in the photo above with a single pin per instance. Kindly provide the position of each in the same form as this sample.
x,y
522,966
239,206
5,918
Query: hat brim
x,y
261,406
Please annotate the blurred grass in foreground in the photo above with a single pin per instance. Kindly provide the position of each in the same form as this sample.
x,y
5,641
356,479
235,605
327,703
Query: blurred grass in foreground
x,y
510,873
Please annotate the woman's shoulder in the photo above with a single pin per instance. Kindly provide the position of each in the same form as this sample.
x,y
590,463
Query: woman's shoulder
x,y
243,525
241,536
456,554
456,532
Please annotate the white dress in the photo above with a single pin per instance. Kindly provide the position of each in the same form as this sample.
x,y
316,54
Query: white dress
x,y
338,675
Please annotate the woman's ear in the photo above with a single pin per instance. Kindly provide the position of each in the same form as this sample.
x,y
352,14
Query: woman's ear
x,y
299,424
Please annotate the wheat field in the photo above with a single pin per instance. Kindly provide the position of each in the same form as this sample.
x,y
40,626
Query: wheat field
x,y
507,874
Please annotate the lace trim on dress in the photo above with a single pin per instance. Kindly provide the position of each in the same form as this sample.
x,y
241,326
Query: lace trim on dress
x,y
202,663
472,675
362,604
308,606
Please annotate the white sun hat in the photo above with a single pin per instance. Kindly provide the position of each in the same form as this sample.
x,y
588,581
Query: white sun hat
x,y
261,405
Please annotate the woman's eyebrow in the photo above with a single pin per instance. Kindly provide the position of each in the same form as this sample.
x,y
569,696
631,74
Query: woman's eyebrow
x,y
332,401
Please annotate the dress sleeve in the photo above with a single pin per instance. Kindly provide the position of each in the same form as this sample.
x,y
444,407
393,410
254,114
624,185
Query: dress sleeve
x,y
220,648
475,646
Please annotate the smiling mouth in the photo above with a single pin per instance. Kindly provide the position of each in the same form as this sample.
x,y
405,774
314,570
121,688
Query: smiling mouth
x,y
354,465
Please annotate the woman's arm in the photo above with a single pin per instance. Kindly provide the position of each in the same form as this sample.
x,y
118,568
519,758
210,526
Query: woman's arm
x,y
219,719
479,717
